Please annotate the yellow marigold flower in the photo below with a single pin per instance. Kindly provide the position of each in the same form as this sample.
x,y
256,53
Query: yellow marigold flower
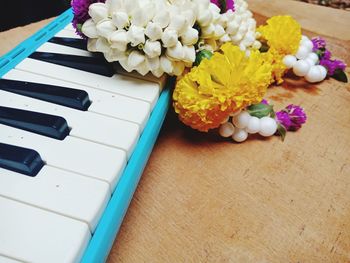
x,y
282,33
229,81
278,67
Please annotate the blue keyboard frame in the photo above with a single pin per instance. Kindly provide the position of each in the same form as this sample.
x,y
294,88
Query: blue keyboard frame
x,y
111,220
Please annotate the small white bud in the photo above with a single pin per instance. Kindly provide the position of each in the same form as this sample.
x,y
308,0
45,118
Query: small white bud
x,y
136,35
120,19
169,37
152,48
98,11
232,27
225,38
102,45
166,65
158,72
208,31
125,65
153,31
189,36
176,52
205,17
219,31
190,17
89,29
119,40
289,61
162,19
178,67
153,63
114,55
189,54
91,44
135,58
178,23
142,68
105,28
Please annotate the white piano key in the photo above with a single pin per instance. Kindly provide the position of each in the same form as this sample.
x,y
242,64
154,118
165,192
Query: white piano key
x,y
103,102
31,234
4,259
60,49
72,154
86,125
118,84
67,33
59,191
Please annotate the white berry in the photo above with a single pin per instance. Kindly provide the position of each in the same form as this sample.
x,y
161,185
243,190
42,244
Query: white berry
x,y
303,38
302,52
240,135
307,44
323,71
241,120
316,74
313,56
226,129
289,61
253,125
301,68
268,126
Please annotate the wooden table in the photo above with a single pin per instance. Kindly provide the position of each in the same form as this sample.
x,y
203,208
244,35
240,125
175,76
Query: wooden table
x,y
203,199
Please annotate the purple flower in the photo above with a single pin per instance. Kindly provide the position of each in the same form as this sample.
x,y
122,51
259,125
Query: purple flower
x,y
292,117
318,43
229,4
332,65
264,102
80,11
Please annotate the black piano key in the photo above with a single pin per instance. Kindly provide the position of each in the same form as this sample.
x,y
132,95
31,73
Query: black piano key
x,y
48,125
72,98
70,42
90,64
21,160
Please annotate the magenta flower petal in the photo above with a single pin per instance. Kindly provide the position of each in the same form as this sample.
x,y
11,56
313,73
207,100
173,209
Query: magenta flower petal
x,y
292,117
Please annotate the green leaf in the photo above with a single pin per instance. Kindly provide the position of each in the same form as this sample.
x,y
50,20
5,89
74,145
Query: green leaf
x,y
79,27
203,54
340,76
260,110
281,131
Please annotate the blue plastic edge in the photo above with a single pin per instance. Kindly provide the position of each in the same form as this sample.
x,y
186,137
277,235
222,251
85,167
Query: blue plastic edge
x,y
28,46
112,218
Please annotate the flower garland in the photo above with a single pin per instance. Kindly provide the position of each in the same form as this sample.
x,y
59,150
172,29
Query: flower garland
x,y
224,64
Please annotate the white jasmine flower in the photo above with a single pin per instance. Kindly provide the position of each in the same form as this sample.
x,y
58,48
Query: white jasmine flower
x,y
152,48
208,31
225,38
102,45
158,72
189,16
98,12
178,67
119,40
178,23
204,18
232,27
189,36
89,29
153,63
219,31
166,65
105,28
169,37
135,58
124,63
136,35
189,54
120,19
162,19
91,44
114,55
176,52
153,31
142,68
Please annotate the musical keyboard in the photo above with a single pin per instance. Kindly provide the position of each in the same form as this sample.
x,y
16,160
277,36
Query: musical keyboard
x,y
74,139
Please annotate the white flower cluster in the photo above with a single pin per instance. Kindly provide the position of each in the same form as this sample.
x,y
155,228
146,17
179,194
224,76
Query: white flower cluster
x,y
243,124
305,62
163,36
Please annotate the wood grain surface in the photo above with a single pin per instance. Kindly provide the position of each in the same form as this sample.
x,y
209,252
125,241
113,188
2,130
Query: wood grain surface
x,y
204,199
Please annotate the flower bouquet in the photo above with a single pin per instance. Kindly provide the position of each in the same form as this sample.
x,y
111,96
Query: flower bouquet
x,y
223,62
